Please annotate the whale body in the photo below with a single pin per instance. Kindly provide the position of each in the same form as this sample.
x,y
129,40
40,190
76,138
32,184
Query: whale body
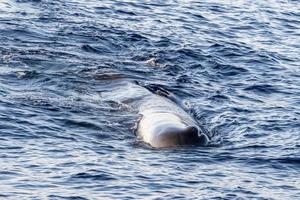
x,y
162,122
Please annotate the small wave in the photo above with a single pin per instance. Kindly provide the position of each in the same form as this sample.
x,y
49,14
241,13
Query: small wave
x,y
289,160
81,124
130,13
219,97
27,74
93,175
58,197
226,69
262,89
98,50
26,1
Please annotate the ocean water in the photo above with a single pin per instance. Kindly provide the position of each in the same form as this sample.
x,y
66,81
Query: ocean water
x,y
235,63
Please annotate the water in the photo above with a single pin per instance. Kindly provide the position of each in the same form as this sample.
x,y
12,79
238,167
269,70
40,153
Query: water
x,y
236,63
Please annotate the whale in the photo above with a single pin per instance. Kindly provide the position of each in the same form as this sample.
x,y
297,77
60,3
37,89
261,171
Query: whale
x,y
162,122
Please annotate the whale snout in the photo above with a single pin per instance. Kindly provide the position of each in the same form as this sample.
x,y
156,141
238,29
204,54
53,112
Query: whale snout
x,y
192,136
189,135
180,137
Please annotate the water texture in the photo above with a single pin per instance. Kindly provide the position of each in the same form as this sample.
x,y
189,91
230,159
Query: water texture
x,y
236,63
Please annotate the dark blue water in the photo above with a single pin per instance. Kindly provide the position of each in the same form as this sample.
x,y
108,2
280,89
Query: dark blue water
x,y
236,63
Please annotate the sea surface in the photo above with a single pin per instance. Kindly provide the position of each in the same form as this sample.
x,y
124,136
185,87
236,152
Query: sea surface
x,y
235,63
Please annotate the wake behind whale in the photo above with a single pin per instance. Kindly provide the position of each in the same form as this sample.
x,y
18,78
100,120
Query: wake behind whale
x,y
162,122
